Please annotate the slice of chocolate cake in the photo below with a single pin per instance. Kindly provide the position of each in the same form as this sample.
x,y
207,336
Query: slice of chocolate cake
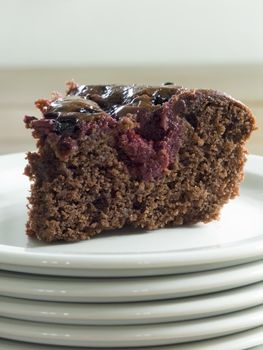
x,y
147,156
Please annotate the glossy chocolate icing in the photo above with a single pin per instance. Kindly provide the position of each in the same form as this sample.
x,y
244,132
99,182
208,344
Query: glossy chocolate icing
x,y
116,100
147,147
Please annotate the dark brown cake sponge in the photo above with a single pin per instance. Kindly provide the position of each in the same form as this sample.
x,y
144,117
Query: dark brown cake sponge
x,y
144,156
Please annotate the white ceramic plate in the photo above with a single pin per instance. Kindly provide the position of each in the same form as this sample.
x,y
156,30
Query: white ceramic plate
x,y
250,339
38,287
131,336
133,313
236,238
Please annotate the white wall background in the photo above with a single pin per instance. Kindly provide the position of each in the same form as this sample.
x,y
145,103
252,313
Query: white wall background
x,y
44,33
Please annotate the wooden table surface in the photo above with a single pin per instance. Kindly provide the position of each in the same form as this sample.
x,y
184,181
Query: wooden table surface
x,y
20,88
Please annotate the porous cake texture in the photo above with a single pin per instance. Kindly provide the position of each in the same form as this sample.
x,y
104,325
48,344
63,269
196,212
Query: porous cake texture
x,y
146,156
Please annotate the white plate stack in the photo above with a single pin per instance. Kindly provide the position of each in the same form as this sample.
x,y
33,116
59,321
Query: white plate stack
x,y
194,288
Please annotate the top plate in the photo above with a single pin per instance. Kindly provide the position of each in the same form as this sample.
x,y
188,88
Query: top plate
x,y
236,238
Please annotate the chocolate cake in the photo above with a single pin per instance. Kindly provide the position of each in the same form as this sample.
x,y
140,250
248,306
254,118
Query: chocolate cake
x,y
146,156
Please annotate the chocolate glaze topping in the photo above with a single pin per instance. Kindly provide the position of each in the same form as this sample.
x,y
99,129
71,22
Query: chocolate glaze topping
x,y
118,100
148,145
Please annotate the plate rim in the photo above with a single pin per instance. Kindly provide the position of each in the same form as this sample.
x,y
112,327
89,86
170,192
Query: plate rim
x,y
39,310
252,338
162,333
132,289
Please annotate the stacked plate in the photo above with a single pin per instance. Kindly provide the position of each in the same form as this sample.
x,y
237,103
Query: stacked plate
x,y
198,287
